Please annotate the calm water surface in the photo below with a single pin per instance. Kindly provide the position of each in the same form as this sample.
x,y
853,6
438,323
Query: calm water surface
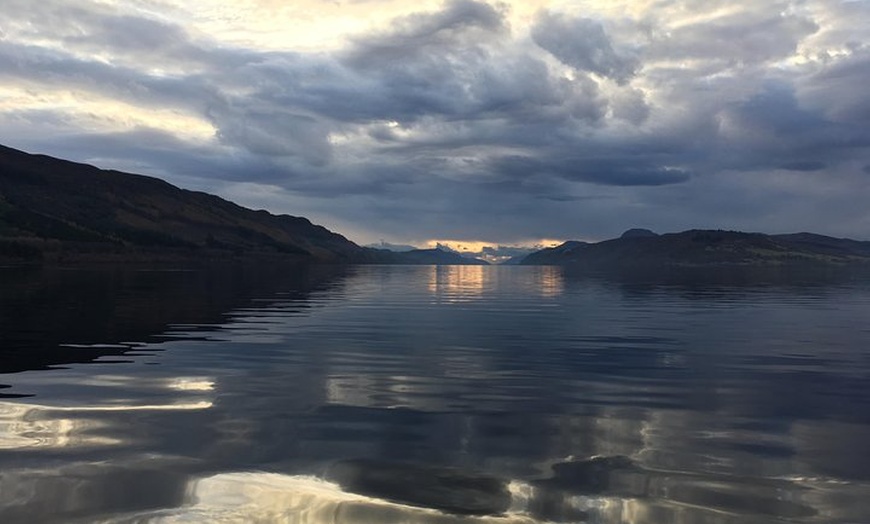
x,y
432,395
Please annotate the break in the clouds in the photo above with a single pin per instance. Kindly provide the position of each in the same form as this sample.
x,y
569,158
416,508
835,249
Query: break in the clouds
x,y
505,122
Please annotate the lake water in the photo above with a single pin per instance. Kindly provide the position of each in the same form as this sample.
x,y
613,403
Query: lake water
x,y
432,395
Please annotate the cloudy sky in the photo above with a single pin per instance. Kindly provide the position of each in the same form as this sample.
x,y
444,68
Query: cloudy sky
x,y
505,122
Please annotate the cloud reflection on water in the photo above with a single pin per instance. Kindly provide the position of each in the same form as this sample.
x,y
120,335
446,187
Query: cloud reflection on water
x,y
501,382
25,426
28,424
271,497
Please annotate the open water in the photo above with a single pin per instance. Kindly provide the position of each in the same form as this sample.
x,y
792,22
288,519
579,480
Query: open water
x,y
460,394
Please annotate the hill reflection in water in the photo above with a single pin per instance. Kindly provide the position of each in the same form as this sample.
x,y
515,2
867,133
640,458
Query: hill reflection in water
x,y
432,394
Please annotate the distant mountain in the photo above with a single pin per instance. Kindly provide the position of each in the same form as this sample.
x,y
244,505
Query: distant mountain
x,y
826,245
638,233
398,248
514,261
438,256
57,210
639,249
564,253
505,255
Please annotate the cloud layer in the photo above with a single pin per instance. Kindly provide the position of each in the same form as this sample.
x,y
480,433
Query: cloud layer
x,y
465,119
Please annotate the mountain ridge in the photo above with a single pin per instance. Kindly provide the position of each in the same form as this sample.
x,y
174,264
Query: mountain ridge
x,y
55,210
642,249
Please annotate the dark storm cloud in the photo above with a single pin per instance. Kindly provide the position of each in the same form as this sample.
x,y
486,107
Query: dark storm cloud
x,y
452,63
836,90
582,44
775,113
166,156
453,123
773,130
410,36
606,171
804,165
567,198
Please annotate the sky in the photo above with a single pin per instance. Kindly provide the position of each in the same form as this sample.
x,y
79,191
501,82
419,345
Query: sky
x,y
464,122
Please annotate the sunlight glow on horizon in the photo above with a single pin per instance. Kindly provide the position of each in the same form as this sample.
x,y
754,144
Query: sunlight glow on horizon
x,y
477,246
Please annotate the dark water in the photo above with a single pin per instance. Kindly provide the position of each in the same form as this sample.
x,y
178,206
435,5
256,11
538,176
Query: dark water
x,y
433,395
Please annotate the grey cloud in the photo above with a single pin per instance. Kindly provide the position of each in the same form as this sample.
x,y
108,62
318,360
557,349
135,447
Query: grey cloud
x,y
462,210
287,104
582,44
251,120
804,165
775,112
607,171
748,36
94,27
566,198
271,131
133,34
840,89
619,174
457,210
456,62
27,18
411,35
775,131
39,67
757,200
158,153
456,127
630,105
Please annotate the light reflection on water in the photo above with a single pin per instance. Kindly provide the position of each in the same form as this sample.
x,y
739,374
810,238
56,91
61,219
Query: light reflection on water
x,y
442,394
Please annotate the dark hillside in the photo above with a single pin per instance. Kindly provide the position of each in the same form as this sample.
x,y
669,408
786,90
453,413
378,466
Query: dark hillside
x,y
52,208
706,248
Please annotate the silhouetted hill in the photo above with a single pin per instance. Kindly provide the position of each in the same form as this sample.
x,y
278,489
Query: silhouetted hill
x,y
565,253
57,210
638,233
825,245
705,248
